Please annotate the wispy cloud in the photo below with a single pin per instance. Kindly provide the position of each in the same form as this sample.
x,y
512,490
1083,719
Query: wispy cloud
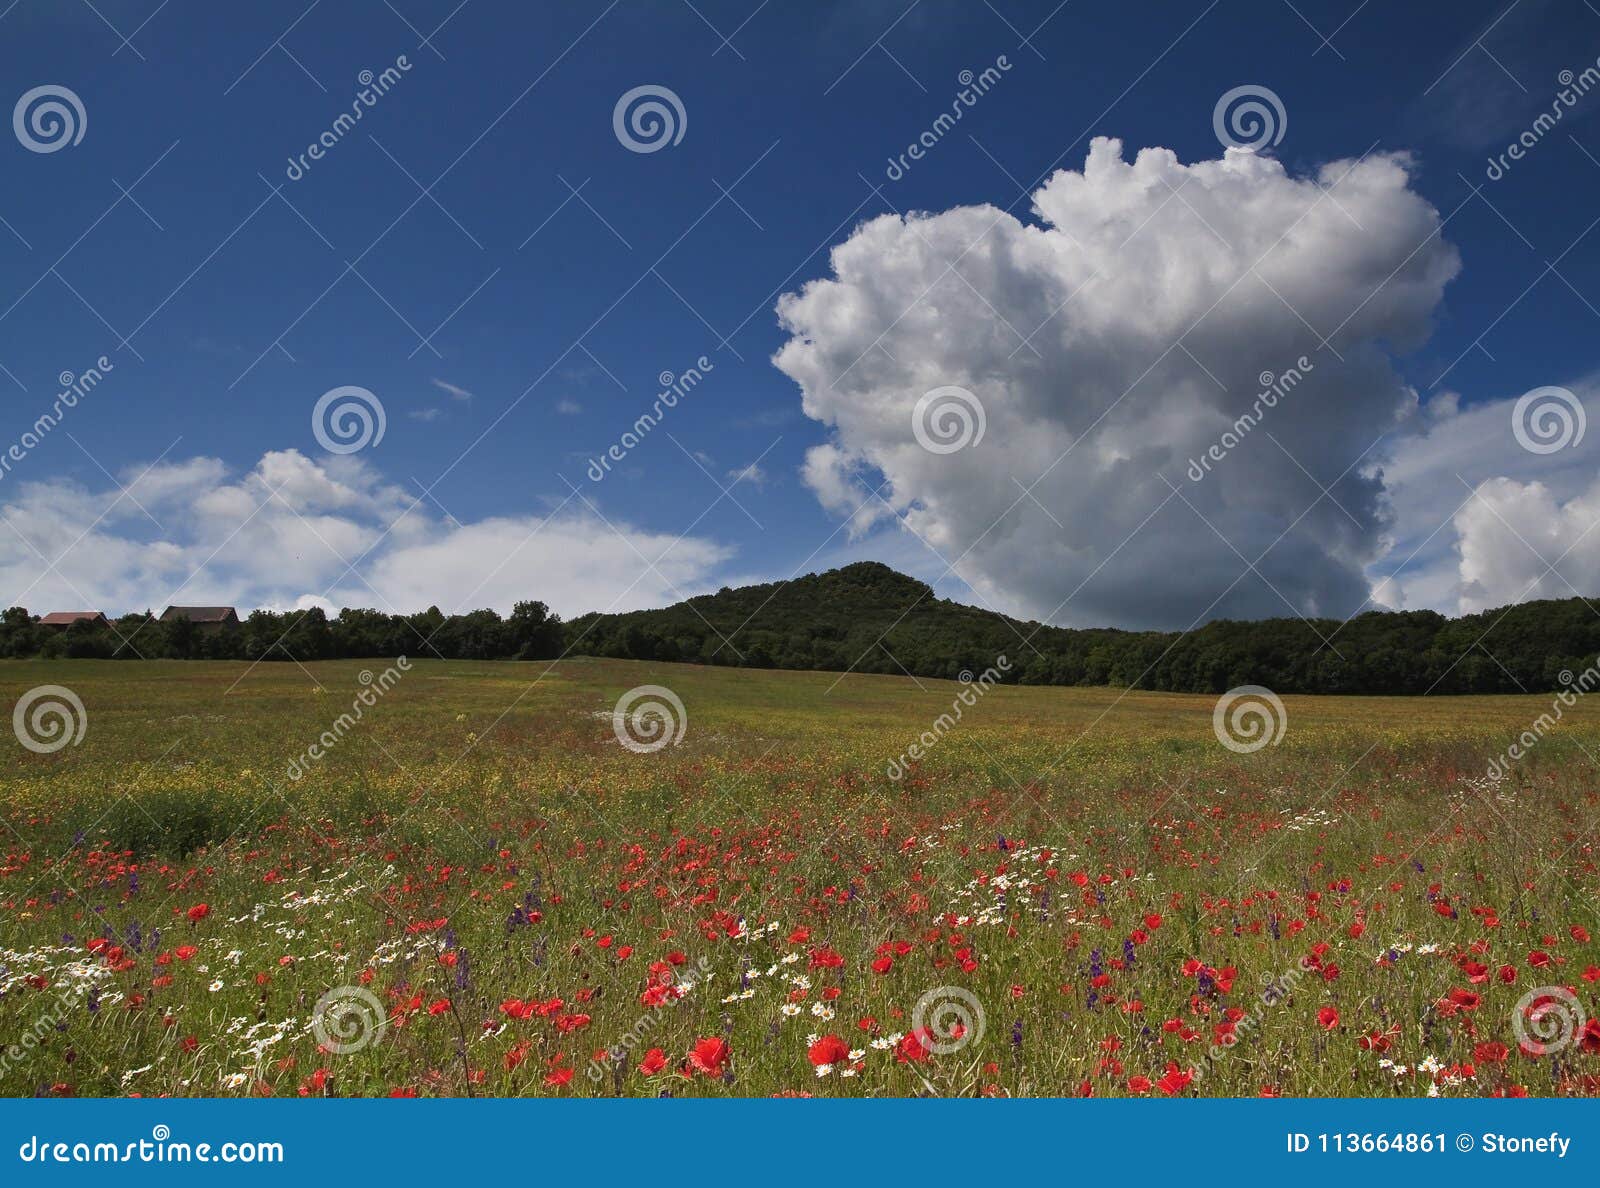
x,y
568,407
752,474
455,390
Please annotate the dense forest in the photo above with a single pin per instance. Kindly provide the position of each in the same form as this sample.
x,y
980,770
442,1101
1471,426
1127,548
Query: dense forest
x,y
868,618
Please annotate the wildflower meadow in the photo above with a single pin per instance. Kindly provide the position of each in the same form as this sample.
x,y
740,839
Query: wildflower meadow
x,y
609,878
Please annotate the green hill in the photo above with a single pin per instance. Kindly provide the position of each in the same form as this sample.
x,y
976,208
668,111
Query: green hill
x,y
868,618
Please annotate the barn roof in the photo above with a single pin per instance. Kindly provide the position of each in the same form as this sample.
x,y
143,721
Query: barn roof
x,y
59,618
199,614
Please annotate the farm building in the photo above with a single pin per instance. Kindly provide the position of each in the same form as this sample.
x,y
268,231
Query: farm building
x,y
207,618
61,620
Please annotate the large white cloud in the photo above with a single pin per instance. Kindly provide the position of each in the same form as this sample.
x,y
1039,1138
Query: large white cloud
x,y
1111,342
294,531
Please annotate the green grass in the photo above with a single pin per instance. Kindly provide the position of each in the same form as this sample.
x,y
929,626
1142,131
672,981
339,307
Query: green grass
x,y
470,790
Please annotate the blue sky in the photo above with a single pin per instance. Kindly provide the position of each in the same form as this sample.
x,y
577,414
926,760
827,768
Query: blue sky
x,y
514,320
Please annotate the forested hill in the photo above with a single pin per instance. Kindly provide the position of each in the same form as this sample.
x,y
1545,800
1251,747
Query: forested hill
x,y
868,618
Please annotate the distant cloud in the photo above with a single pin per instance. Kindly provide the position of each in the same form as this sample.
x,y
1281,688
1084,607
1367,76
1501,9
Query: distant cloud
x,y
568,407
425,414
455,390
1503,72
287,533
1481,522
752,474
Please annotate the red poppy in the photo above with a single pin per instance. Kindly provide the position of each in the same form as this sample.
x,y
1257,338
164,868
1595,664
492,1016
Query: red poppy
x,y
654,1061
830,1049
709,1055
1589,1037
199,912
914,1047
1328,1018
1175,1080
1490,1053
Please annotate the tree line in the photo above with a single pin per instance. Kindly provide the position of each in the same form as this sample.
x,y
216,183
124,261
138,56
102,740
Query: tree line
x,y
868,618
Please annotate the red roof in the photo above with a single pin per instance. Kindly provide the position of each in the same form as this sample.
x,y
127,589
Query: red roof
x,y
67,618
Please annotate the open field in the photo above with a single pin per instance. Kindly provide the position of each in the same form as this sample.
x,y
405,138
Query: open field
x,y
1085,890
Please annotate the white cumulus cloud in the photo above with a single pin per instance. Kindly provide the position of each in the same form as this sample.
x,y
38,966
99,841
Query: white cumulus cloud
x,y
295,531
1107,344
